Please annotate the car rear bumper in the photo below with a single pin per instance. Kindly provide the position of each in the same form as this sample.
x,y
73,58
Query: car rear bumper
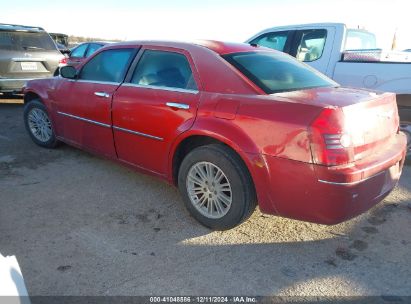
x,y
329,195
13,85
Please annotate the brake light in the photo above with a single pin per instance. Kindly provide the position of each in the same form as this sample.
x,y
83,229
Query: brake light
x,y
331,145
63,61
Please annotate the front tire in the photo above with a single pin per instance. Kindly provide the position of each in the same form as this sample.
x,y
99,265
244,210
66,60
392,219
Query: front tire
x,y
216,187
38,124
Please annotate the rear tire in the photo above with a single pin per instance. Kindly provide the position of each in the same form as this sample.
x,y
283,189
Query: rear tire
x,y
38,124
216,187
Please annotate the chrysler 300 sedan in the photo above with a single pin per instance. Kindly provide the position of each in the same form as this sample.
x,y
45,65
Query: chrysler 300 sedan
x,y
231,125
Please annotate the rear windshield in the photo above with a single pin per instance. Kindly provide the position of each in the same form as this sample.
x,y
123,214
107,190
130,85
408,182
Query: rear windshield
x,y
276,72
360,40
26,41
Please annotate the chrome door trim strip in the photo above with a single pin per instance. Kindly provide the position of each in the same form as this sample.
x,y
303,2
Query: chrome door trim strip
x,y
109,126
138,133
85,119
160,88
351,183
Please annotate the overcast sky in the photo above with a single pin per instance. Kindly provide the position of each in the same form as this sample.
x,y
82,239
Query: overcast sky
x,y
229,20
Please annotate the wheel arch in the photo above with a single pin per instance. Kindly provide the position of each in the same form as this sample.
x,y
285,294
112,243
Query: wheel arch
x,y
30,95
193,139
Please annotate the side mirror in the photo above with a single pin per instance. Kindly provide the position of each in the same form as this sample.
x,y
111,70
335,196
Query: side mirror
x,y
68,72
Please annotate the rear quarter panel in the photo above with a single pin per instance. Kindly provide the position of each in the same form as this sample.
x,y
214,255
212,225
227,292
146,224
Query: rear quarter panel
x,y
256,127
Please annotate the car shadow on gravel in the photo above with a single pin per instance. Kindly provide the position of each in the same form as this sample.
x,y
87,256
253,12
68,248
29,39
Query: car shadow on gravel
x,y
81,225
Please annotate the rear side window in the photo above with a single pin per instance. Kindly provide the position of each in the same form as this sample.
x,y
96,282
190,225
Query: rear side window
x,y
78,52
26,41
310,45
276,40
108,66
276,72
164,69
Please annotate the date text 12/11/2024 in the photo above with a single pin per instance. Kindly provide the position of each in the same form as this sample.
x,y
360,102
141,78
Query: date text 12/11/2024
x,y
204,299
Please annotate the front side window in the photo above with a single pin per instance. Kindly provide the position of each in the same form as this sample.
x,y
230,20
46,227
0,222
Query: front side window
x,y
275,41
276,72
78,52
108,66
164,69
311,44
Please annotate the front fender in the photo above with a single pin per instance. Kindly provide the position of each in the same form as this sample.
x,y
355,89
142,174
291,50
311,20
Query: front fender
x,y
39,87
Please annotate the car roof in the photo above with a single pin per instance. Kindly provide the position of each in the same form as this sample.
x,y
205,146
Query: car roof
x,y
16,27
219,47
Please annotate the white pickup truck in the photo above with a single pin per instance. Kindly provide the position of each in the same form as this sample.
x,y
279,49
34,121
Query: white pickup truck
x,y
349,56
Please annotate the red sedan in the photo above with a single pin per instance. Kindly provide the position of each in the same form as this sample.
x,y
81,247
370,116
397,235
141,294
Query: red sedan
x,y
230,125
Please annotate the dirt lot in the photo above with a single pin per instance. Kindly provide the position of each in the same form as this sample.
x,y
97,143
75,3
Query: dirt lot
x,y
82,225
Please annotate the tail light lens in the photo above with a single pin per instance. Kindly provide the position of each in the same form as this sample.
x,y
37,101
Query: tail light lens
x,y
63,61
331,145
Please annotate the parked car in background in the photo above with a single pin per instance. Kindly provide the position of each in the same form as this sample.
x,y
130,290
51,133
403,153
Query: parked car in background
x,y
61,41
26,53
60,38
349,56
213,119
82,51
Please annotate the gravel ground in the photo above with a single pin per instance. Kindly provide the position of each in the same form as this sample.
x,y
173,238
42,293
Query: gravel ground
x,y
82,225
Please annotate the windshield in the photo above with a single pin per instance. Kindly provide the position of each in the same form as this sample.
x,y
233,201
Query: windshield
x,y
275,72
23,41
360,40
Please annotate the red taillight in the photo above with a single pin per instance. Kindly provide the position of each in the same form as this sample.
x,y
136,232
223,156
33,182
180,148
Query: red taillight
x,y
330,144
63,61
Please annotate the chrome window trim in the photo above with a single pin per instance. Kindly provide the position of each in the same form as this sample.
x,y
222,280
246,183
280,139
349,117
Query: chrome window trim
x,y
351,183
138,133
95,81
85,119
128,84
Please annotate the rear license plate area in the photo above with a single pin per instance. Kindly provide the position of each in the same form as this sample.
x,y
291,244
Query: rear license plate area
x,y
28,66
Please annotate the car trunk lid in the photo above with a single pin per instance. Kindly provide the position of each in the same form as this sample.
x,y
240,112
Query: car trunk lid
x,y
352,125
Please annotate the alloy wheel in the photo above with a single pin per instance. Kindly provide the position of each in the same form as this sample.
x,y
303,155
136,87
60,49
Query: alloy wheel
x,y
39,124
209,190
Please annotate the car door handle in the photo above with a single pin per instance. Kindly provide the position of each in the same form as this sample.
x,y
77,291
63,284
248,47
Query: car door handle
x,y
176,105
102,94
